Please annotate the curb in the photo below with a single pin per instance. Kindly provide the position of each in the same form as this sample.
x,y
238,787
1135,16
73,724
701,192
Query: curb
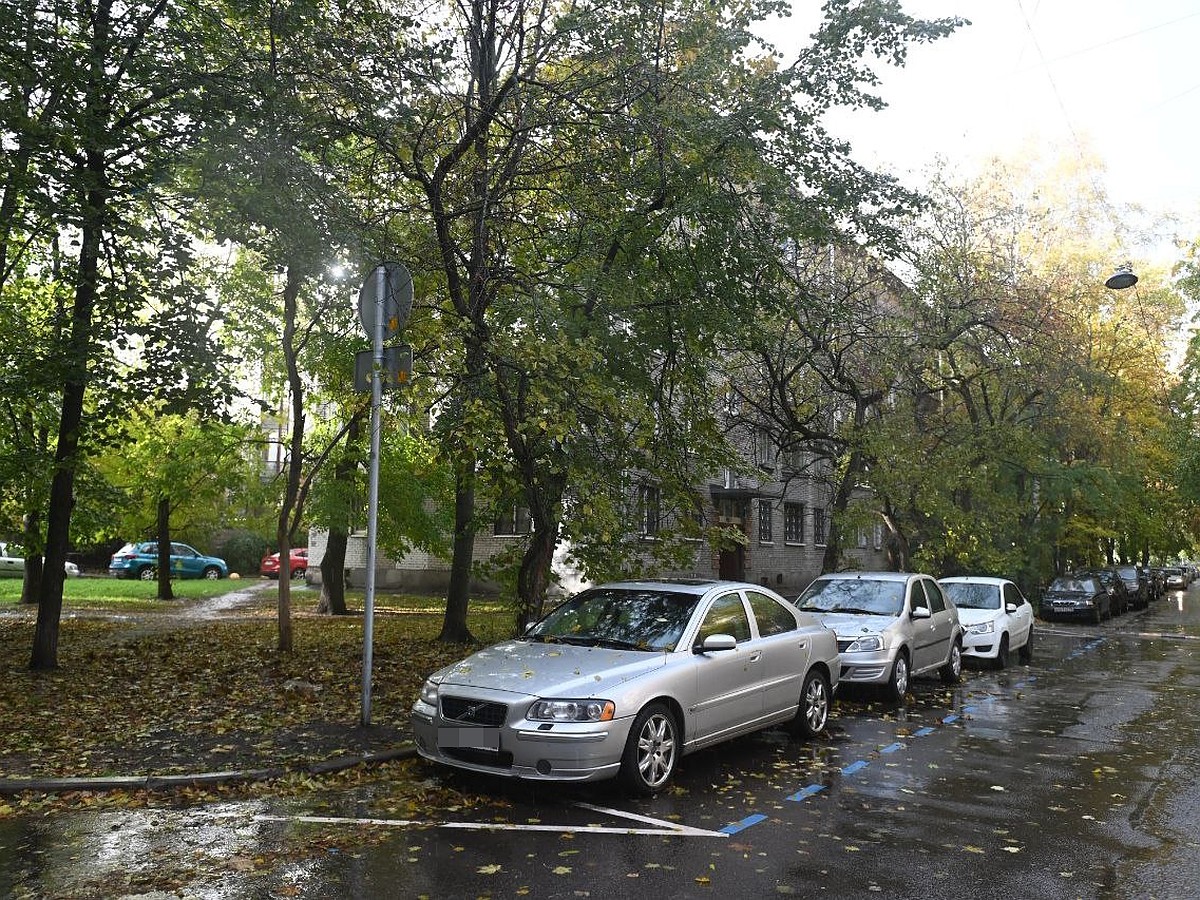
x,y
200,779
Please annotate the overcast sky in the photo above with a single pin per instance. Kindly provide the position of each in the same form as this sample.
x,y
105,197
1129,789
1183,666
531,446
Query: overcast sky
x,y
1119,76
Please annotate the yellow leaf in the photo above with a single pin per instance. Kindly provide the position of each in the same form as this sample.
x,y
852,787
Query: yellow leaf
x,y
489,870
561,870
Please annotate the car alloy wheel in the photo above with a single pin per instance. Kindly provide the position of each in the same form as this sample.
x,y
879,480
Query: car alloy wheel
x,y
898,684
651,751
149,573
951,672
813,712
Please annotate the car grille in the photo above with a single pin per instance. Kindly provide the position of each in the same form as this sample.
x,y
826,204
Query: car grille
x,y
474,712
843,646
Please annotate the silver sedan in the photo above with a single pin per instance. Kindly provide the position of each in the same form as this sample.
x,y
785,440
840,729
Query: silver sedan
x,y
623,679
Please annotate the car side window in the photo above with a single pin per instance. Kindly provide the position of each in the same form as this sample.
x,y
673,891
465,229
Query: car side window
x,y
933,593
1013,595
917,596
727,615
770,614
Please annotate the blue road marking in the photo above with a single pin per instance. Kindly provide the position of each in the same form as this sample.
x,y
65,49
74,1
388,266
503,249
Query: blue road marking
x,y
923,732
953,717
969,709
805,793
892,748
854,767
735,827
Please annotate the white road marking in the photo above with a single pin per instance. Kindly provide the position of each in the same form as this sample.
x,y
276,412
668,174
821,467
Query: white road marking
x,y
664,827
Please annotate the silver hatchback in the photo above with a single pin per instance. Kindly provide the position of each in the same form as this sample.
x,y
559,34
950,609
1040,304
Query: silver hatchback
x,y
890,627
625,678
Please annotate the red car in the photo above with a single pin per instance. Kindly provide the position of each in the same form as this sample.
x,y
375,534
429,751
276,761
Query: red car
x,y
299,563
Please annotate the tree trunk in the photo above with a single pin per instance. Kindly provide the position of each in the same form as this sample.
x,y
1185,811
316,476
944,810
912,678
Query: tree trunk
x,y
454,625
165,591
66,451
534,576
333,574
841,502
295,461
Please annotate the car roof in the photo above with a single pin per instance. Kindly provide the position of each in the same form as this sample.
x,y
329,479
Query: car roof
x,y
697,586
974,579
869,576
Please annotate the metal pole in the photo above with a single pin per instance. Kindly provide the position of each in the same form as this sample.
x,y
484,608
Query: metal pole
x,y
373,491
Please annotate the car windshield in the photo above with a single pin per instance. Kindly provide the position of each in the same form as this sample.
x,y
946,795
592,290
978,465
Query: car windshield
x,y
866,596
972,596
1074,585
1129,573
625,618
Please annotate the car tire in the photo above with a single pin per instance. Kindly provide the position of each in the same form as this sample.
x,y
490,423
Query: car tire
x,y
212,573
812,713
951,672
1025,654
897,686
651,751
297,574
1002,653
147,573
1097,616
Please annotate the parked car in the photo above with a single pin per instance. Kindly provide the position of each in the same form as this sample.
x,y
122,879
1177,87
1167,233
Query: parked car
x,y
140,560
625,678
1119,599
1156,580
1077,596
996,618
890,626
297,563
14,566
1176,580
1136,586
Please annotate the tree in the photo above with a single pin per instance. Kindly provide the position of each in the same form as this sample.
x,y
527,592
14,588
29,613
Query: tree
x,y
106,102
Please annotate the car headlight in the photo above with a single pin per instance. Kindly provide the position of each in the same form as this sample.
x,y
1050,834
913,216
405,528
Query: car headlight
x,y
982,628
572,711
867,643
429,692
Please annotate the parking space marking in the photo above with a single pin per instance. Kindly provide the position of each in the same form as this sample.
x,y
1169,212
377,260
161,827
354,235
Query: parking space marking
x,y
922,732
805,793
892,748
735,827
854,767
663,829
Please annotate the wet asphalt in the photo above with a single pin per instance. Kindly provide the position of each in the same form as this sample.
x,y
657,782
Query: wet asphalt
x,y
1074,776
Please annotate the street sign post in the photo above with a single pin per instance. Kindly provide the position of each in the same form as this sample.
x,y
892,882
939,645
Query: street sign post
x,y
384,302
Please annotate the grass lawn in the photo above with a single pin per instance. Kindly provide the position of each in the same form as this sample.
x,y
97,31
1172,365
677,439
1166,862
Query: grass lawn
x,y
121,594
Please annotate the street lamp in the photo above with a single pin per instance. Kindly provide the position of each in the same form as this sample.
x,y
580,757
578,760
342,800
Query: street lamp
x,y
1122,278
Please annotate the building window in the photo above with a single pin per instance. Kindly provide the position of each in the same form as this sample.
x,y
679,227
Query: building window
x,y
764,449
879,537
766,533
649,508
793,523
819,525
793,460
512,521
862,539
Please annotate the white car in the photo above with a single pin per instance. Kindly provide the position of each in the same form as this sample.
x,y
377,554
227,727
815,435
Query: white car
x,y
995,616
890,627
14,566
624,679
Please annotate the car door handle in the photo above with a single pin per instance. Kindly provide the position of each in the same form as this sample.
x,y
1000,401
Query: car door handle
x,y
756,656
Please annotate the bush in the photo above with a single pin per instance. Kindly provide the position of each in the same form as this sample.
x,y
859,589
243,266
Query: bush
x,y
243,551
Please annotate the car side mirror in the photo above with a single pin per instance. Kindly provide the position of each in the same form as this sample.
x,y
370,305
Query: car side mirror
x,y
716,642
921,612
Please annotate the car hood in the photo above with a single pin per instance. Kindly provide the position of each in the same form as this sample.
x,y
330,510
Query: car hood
x,y
561,670
968,616
851,625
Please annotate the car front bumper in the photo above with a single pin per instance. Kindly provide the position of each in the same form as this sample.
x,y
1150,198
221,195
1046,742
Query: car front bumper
x,y
543,751
874,667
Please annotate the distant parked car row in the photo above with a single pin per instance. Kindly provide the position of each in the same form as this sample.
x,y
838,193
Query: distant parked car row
x,y
1101,593
623,679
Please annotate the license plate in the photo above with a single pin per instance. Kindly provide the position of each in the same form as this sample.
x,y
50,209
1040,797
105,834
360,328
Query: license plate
x,y
470,738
